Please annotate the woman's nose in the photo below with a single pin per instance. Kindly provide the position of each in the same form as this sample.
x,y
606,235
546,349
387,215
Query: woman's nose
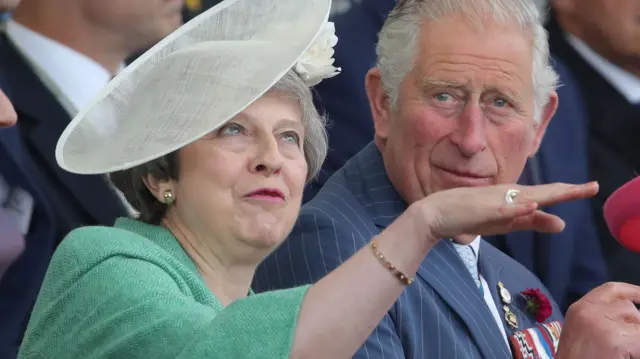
x,y
268,159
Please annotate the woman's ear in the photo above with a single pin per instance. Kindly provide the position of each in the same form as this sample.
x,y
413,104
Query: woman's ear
x,y
157,187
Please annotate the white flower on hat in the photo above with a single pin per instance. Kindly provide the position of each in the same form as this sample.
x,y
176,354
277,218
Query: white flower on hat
x,y
317,63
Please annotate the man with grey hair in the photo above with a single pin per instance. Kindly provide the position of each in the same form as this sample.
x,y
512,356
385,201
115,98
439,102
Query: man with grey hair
x,y
461,95
570,263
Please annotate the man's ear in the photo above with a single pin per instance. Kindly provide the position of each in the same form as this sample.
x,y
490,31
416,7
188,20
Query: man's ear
x,y
156,187
378,102
545,117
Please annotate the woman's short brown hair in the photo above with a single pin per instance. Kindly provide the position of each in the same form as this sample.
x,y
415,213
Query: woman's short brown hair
x,y
131,183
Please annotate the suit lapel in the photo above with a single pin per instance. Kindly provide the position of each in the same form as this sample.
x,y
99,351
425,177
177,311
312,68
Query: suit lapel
x,y
492,278
442,269
41,125
20,170
9,143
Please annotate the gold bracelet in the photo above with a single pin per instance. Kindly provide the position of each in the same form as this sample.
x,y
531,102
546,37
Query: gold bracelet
x,y
395,271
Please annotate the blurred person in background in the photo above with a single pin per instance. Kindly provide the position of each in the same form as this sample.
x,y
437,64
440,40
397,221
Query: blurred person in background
x,y
27,235
599,41
57,55
568,263
12,240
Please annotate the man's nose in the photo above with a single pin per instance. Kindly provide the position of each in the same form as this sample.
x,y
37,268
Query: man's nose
x,y
8,116
470,133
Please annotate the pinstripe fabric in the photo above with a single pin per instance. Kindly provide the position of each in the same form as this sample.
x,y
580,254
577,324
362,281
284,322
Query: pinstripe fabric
x,y
441,315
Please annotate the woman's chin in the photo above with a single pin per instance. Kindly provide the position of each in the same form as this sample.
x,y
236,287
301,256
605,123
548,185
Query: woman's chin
x,y
266,237
266,231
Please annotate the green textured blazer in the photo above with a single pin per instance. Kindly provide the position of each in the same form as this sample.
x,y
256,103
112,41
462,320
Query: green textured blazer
x,y
131,291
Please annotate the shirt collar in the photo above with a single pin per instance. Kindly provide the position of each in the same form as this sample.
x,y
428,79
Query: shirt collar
x,y
626,83
77,76
475,245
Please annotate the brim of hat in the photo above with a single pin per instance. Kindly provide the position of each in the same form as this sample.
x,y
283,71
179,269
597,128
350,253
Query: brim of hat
x,y
190,83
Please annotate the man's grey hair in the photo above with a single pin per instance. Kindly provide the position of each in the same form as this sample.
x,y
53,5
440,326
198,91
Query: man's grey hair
x,y
132,185
398,45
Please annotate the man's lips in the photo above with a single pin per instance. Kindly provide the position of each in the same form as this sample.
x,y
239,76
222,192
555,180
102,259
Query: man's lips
x,y
463,173
459,178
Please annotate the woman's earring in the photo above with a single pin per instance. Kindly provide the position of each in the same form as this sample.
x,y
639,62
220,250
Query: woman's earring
x,y
168,197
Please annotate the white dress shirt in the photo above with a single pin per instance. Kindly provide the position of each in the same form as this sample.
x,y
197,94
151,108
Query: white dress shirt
x,y
488,297
77,77
625,82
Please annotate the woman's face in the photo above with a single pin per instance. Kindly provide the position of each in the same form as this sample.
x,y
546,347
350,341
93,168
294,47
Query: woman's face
x,y
241,185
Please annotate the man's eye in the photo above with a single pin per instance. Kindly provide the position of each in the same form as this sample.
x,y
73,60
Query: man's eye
x,y
444,97
500,102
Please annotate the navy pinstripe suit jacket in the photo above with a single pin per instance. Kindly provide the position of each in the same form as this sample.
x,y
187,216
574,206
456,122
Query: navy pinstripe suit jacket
x,y
441,315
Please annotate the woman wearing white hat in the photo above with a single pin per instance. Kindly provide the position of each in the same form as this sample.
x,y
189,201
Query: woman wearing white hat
x,y
211,136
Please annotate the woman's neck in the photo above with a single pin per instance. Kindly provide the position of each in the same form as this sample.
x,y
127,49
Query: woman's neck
x,y
227,278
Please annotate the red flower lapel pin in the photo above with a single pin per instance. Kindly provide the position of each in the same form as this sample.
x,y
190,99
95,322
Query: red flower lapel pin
x,y
537,304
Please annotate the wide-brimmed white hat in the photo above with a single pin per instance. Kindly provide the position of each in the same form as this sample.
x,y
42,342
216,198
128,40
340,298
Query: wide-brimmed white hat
x,y
196,79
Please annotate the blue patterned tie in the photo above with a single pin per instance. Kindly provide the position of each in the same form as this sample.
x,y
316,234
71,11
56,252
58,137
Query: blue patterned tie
x,y
470,261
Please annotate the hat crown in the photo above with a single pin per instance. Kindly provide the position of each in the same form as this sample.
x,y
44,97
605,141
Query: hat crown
x,y
191,82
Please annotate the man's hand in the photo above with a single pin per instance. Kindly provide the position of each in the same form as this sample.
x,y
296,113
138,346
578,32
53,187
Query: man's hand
x,y
603,324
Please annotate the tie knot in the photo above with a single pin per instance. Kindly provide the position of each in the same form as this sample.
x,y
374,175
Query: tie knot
x,y
466,253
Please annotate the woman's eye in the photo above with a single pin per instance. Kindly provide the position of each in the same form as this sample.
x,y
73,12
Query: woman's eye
x,y
444,97
291,137
231,129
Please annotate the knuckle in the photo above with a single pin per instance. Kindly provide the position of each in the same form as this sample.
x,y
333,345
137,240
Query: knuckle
x,y
575,310
581,312
611,287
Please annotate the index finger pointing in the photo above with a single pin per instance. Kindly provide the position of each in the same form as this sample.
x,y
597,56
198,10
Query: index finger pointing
x,y
549,194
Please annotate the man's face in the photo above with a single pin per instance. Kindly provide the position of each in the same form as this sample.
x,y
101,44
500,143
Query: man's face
x,y
8,5
611,27
140,22
464,115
